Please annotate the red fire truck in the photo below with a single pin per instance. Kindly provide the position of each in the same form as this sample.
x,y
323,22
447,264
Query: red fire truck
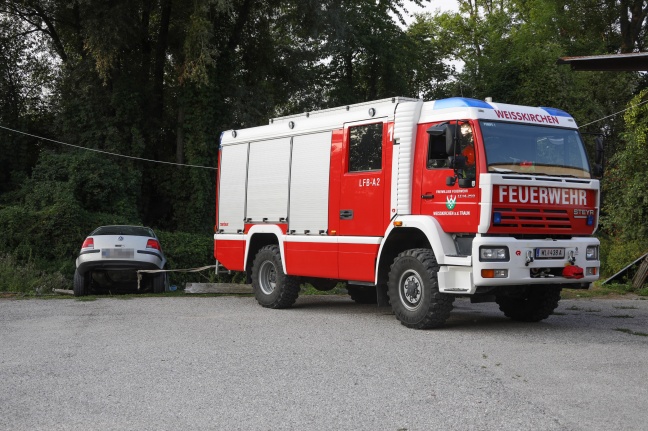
x,y
412,203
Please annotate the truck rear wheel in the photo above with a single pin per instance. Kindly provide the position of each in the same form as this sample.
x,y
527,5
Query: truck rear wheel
x,y
536,304
272,287
363,294
414,290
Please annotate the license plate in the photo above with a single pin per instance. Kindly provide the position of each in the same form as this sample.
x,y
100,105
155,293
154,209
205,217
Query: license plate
x,y
117,253
549,253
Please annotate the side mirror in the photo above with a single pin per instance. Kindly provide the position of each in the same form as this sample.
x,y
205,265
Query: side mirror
x,y
451,139
437,130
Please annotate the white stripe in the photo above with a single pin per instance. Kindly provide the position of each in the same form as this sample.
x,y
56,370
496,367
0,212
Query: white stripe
x,y
334,239
229,237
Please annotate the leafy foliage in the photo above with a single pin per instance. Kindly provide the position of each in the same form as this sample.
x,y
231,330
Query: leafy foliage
x,y
626,204
160,79
27,278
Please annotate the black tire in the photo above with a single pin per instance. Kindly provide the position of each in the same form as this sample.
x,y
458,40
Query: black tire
x,y
81,283
272,287
414,290
536,304
323,284
363,294
159,282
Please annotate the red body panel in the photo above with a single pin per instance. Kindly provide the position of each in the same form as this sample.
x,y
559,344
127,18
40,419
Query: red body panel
x,y
358,261
311,259
366,193
335,176
230,254
282,226
217,185
457,209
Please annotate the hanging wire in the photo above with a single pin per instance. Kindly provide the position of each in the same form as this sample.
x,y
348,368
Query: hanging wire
x,y
213,168
107,152
615,114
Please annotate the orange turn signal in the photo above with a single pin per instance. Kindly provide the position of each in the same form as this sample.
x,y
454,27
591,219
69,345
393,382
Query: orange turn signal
x,y
488,273
398,223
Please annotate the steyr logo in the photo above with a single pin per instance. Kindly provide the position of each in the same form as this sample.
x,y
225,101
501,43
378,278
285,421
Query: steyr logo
x,y
451,201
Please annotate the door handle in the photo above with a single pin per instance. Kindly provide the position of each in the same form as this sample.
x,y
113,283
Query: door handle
x,y
427,196
346,214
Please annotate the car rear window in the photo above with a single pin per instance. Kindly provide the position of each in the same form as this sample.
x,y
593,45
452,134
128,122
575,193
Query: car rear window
x,y
123,230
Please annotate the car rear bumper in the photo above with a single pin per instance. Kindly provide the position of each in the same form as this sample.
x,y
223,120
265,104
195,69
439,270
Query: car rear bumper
x,y
144,260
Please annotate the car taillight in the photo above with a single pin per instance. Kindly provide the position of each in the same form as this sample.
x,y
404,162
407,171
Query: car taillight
x,y
88,243
153,243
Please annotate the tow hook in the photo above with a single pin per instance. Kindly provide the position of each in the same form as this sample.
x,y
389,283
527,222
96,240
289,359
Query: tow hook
x,y
571,257
529,257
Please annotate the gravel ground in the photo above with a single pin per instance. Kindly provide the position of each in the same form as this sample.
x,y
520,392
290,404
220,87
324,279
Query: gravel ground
x,y
171,363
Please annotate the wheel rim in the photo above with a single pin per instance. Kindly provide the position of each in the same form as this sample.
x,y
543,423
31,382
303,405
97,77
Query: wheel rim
x,y
410,290
267,277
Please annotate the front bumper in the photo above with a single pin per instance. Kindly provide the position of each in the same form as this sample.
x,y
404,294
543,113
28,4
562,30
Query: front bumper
x,y
519,270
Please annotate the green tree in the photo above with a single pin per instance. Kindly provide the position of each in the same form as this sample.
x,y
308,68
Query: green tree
x,y
626,208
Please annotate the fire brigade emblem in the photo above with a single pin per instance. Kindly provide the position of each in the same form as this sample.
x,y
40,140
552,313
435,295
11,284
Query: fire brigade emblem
x,y
451,201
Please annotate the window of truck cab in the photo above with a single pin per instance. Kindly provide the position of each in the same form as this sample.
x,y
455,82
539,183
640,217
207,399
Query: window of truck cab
x,y
534,149
365,147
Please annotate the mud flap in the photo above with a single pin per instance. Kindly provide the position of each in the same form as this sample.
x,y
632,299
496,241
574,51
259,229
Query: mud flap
x,y
381,295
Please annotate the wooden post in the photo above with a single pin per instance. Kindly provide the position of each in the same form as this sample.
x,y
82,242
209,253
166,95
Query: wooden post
x,y
641,275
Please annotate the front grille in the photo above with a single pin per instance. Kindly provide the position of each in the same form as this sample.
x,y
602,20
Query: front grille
x,y
532,220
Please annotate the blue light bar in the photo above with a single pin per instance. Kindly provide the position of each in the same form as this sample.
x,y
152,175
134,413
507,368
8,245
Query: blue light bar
x,y
555,112
460,102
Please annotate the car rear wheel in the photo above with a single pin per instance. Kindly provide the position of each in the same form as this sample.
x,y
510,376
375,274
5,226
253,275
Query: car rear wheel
x,y
160,282
81,283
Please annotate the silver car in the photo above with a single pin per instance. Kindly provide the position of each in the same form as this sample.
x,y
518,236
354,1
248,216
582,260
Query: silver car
x,y
111,255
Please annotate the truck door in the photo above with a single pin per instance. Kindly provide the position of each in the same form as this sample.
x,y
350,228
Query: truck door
x,y
362,215
456,208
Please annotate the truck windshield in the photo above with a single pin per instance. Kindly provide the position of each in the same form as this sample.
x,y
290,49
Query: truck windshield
x,y
529,149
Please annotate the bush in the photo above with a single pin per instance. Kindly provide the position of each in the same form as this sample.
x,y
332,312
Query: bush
x,y
51,234
617,253
188,250
27,278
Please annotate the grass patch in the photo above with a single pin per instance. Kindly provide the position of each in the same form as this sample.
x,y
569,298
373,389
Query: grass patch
x,y
308,289
598,290
631,332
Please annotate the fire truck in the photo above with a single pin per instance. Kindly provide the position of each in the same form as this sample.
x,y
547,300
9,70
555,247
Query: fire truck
x,y
412,204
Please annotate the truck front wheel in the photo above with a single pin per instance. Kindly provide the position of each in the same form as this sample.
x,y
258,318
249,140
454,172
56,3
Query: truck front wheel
x,y
272,287
414,290
534,305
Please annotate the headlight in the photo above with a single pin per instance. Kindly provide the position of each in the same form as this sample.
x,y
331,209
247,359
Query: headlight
x,y
493,254
592,252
